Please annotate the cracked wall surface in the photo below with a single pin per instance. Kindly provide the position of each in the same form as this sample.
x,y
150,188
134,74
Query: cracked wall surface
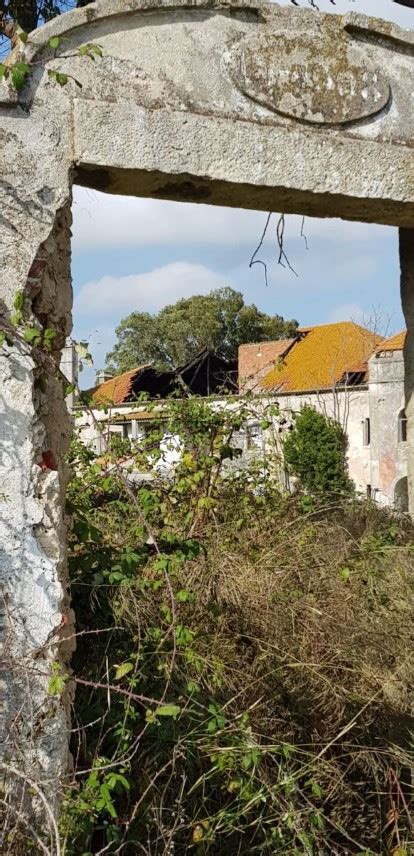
x,y
214,101
35,430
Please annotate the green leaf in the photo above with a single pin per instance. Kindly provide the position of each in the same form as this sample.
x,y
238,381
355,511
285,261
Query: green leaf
x,y
19,72
150,716
184,596
23,36
90,50
16,319
345,574
54,42
123,670
69,388
49,334
32,335
2,338
4,71
316,789
57,680
56,685
61,79
168,710
115,779
58,76
18,302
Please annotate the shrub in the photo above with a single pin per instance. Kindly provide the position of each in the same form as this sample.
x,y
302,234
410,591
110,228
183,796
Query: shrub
x,y
315,451
235,694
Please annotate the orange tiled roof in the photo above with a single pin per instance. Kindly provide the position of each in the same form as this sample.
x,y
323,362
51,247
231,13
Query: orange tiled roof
x,y
257,358
116,390
322,357
395,343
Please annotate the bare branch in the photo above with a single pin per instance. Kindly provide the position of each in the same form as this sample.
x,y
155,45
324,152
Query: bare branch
x,y
280,234
254,260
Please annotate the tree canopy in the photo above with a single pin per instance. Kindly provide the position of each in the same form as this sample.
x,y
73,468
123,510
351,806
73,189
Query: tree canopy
x,y
219,320
29,14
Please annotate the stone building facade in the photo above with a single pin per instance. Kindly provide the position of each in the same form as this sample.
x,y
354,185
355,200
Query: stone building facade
x,y
361,385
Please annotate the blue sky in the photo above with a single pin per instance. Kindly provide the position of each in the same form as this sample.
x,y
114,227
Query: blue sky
x,y
140,254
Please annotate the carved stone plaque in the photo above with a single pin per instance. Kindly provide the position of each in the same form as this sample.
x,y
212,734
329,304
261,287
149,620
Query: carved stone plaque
x,y
308,78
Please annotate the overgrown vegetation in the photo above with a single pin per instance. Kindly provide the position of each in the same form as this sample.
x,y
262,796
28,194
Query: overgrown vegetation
x,y
243,663
316,453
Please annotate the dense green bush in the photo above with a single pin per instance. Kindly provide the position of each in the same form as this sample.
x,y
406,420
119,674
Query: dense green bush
x,y
316,452
242,667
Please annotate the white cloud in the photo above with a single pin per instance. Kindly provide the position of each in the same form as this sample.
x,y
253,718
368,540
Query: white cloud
x,y
147,292
104,221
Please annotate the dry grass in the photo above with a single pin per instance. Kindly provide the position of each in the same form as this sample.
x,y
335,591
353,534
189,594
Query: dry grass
x,y
306,621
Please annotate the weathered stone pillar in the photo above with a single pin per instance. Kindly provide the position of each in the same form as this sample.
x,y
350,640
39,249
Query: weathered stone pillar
x,y
35,431
407,299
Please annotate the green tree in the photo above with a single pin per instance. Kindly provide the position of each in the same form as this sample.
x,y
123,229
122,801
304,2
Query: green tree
x,y
219,320
29,14
315,451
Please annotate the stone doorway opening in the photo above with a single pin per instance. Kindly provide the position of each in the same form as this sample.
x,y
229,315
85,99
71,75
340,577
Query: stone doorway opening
x,y
193,102
137,255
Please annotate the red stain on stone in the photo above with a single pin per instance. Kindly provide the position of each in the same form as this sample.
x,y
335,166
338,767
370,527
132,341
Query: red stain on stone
x,y
48,461
387,471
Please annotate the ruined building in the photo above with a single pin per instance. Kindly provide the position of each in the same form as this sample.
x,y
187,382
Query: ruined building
x,y
353,376
342,370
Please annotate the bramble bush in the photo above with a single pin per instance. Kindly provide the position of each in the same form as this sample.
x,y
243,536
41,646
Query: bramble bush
x,y
243,659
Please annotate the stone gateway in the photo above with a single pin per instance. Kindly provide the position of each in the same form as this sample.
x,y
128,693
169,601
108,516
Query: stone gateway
x,y
227,102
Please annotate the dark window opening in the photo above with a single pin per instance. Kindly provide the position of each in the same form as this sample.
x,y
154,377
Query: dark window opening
x,y
367,431
402,427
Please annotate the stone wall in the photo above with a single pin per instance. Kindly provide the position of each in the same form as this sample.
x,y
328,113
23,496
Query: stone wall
x,y
35,431
386,401
192,100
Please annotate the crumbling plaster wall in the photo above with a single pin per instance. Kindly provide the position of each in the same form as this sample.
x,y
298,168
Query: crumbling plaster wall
x,y
35,432
386,400
217,101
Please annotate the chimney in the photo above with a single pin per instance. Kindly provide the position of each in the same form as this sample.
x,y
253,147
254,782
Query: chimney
x,y
102,375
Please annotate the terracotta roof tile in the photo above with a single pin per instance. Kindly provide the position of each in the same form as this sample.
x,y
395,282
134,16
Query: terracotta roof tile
x,y
118,389
395,343
256,360
322,357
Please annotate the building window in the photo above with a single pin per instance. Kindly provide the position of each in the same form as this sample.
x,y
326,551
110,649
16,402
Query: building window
x,y
367,431
369,491
401,495
402,426
126,430
253,435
